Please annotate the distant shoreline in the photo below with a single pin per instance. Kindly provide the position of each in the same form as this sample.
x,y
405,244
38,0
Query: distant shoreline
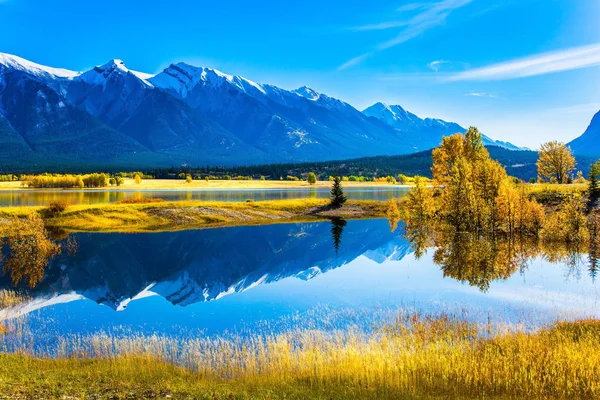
x,y
173,184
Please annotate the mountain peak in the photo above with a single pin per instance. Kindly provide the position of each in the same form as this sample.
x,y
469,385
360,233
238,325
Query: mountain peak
x,y
21,64
100,74
183,77
115,63
307,93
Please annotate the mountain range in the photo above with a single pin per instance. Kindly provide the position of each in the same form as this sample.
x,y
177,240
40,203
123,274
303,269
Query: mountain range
x,y
111,116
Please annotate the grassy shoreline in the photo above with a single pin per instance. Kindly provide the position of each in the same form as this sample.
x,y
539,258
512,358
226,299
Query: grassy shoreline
x,y
197,214
177,215
423,357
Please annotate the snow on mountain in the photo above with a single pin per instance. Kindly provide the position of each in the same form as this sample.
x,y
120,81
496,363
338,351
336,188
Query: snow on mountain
x,y
429,130
196,115
41,71
307,93
182,78
100,74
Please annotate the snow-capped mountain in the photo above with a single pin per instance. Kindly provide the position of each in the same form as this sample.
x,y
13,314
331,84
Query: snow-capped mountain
x,y
430,130
589,142
111,115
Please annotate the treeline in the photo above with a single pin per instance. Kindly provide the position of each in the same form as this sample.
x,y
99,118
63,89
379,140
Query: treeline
x,y
55,181
519,164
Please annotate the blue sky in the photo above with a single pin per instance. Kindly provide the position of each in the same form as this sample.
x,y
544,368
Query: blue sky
x,y
521,70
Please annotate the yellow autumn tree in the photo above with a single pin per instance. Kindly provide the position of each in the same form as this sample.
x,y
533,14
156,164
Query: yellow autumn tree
x,y
555,162
476,194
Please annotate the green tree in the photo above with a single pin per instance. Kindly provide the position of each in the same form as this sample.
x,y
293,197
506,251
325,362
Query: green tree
x,y
312,178
593,186
555,162
337,193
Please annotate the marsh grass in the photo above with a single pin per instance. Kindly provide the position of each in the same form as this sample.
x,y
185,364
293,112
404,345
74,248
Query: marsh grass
x,y
11,298
416,356
148,216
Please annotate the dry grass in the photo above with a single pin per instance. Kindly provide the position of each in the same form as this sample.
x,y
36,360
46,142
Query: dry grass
x,y
417,357
10,298
154,216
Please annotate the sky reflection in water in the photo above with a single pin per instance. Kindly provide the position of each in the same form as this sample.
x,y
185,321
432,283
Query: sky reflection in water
x,y
234,279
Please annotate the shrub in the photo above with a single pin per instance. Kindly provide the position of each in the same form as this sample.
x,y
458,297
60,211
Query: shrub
x,y
57,207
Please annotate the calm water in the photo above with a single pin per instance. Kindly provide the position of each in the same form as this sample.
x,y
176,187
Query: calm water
x,y
245,278
44,197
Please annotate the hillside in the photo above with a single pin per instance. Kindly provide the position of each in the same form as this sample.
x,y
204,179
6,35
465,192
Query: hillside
x,y
589,142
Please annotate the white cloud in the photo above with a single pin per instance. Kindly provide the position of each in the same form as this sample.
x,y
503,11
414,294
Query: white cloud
x,y
429,16
435,65
539,64
411,7
481,94
354,61
586,108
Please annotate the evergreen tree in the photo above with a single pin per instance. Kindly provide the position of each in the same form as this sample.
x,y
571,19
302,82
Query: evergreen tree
x,y
337,193
594,187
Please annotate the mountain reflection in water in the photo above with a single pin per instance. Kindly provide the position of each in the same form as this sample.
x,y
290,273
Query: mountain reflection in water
x,y
331,264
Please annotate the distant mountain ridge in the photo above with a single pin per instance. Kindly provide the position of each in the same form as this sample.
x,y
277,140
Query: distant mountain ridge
x,y
430,130
186,115
589,142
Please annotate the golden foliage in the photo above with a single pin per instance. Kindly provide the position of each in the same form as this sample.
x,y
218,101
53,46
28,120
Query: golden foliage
x,y
555,162
476,194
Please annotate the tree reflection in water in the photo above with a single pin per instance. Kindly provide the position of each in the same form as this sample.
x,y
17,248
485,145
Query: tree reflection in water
x,y
337,229
478,259
27,248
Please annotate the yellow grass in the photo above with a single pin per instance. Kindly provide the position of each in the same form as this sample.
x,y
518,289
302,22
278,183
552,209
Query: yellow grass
x,y
419,357
555,188
144,217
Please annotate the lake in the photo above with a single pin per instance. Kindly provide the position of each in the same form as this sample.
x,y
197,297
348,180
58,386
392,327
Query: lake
x,y
328,275
39,197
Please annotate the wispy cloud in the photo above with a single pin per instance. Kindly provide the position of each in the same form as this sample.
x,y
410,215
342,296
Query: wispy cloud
x,y
355,61
578,109
428,16
539,64
435,65
411,7
481,94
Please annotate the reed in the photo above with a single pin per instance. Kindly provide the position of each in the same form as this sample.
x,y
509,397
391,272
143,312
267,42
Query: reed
x,y
414,357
